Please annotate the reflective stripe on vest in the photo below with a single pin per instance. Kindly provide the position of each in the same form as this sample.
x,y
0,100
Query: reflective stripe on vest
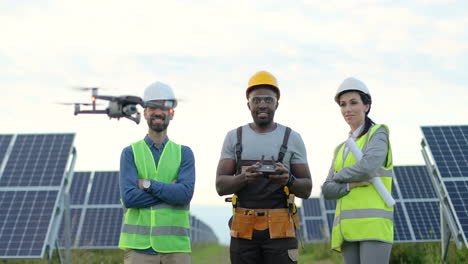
x,y
163,227
156,231
362,214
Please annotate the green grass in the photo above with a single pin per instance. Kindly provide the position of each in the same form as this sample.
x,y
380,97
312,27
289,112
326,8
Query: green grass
x,y
402,253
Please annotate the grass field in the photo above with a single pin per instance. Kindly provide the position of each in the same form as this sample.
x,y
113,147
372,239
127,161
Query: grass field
x,y
403,253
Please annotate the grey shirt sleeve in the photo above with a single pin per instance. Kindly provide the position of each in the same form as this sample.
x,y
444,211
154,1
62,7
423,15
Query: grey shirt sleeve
x,y
373,158
332,190
228,150
297,146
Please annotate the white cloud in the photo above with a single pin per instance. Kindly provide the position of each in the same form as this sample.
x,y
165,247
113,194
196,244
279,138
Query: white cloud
x,y
208,49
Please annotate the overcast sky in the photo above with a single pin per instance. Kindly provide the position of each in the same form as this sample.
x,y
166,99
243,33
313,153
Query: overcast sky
x,y
413,56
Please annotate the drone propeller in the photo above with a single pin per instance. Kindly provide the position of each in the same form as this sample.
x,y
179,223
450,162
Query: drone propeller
x,y
86,104
86,88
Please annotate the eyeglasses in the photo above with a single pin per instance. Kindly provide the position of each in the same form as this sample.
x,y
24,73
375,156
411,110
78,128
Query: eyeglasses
x,y
163,104
256,100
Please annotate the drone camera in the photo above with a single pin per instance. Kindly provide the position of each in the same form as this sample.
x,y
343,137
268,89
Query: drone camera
x,y
129,110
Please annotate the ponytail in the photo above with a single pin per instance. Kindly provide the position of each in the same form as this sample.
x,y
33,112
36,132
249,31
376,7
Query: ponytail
x,y
368,123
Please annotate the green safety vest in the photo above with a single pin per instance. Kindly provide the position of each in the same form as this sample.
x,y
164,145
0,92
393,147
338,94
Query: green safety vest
x,y
163,227
362,214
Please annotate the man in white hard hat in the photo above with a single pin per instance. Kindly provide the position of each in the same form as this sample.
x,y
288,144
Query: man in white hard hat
x,y
157,179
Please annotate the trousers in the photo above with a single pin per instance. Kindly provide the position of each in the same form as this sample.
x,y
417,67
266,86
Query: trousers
x,y
263,250
366,252
133,257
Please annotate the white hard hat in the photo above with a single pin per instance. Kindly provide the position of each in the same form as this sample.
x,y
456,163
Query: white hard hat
x,y
351,84
159,91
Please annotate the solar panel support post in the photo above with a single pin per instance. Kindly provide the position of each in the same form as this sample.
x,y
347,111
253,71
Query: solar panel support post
x,y
67,228
302,224
326,227
448,218
66,205
445,235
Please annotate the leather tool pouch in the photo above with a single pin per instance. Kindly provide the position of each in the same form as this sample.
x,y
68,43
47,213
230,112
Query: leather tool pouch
x,y
281,225
242,226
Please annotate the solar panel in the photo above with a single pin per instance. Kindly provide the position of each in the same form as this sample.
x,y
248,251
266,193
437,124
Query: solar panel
x,y
79,187
330,204
75,218
97,216
25,218
414,182
413,186
37,160
101,228
330,219
105,189
315,230
425,220
31,180
4,143
401,229
312,207
458,192
449,149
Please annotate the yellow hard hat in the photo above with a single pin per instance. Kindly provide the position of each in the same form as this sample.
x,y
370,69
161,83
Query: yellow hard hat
x,y
262,78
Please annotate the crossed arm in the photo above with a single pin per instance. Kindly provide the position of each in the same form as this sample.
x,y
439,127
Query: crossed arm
x,y
177,192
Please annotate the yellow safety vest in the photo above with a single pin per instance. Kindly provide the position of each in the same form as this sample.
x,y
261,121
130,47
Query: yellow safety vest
x,y
163,227
362,214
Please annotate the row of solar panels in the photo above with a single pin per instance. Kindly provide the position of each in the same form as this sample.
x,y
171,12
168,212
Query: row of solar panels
x,y
34,172
416,212
96,212
417,191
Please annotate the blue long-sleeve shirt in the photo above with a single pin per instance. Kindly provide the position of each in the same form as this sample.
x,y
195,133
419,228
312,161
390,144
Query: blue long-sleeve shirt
x,y
180,192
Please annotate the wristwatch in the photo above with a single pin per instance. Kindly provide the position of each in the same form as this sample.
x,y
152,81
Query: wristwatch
x,y
291,180
146,185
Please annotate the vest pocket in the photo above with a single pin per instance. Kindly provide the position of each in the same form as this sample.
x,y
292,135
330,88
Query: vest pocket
x,y
242,226
281,225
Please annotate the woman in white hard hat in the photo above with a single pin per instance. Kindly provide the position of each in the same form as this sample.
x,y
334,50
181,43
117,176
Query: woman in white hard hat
x,y
363,223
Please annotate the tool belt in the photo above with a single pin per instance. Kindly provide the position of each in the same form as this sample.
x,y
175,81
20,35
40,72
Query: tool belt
x,y
280,222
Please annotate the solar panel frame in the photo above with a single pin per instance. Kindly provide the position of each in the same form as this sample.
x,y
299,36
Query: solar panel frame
x,y
24,214
44,236
449,165
47,156
458,191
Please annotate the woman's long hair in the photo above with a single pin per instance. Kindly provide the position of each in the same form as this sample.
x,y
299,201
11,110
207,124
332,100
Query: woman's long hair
x,y
368,123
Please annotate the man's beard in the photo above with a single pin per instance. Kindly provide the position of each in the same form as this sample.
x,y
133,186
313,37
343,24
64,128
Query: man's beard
x,y
158,127
263,122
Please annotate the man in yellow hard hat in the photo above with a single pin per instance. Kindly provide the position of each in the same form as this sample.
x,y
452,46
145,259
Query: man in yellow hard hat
x,y
264,164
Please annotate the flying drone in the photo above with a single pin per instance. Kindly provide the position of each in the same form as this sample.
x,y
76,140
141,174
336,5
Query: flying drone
x,y
119,106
